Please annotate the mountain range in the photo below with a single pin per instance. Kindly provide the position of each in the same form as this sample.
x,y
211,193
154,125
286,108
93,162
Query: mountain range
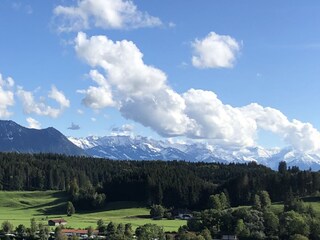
x,y
15,138
142,148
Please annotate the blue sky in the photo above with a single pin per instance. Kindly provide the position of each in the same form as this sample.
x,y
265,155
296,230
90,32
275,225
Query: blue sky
x,y
265,52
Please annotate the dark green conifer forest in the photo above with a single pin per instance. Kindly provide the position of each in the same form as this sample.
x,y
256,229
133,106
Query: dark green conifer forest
x,y
172,184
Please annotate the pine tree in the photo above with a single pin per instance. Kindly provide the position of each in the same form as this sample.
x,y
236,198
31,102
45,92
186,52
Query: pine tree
x,y
257,202
265,199
70,209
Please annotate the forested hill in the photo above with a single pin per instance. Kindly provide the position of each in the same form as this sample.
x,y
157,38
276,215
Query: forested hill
x,y
173,184
16,138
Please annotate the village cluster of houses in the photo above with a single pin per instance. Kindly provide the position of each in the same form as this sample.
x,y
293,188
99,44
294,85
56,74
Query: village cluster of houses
x,y
83,233
80,233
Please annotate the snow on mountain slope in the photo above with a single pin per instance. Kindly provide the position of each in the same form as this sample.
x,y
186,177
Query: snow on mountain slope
x,y
142,148
84,143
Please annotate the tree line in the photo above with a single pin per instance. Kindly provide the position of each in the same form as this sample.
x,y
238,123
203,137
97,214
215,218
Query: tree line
x,y
179,184
111,231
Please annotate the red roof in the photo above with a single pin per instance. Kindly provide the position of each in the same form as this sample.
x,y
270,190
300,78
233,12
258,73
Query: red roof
x,y
79,231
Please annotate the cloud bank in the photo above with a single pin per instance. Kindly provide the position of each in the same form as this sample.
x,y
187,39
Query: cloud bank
x,y
106,14
100,96
141,93
215,51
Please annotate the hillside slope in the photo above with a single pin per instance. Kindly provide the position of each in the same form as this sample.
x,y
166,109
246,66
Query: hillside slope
x,y
15,138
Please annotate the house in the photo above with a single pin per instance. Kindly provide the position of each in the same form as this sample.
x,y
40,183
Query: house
x,y
229,237
8,236
80,233
57,222
184,216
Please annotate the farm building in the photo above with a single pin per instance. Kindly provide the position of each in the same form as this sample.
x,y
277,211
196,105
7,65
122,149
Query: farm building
x,y
229,237
57,222
80,233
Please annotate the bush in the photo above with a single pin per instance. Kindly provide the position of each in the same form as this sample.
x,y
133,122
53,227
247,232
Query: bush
x,y
157,211
7,227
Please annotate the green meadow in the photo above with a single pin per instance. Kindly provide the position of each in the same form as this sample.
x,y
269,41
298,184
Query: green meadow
x,y
313,201
20,207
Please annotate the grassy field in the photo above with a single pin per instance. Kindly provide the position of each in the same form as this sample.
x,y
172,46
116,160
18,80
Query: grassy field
x,y
20,207
313,201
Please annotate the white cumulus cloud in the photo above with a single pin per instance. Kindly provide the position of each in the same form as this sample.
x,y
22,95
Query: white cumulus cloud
x,y
215,51
6,96
216,120
140,90
59,97
141,93
30,105
33,123
100,96
163,112
106,14
123,62
302,136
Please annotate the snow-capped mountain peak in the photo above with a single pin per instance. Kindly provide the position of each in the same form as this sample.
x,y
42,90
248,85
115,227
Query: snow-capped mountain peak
x,y
142,148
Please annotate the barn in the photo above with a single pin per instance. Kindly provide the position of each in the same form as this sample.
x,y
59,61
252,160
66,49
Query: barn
x,y
57,222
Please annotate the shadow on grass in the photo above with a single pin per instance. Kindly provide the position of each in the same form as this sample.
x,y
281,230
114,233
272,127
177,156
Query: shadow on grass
x,y
57,206
55,210
124,205
140,216
311,199
112,206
